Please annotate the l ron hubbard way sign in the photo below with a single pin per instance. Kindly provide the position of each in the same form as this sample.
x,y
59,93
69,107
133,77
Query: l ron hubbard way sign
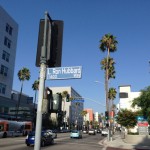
x,y
64,73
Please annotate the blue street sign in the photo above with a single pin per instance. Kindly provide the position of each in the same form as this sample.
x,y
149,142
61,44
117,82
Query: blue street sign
x,y
78,101
141,118
64,73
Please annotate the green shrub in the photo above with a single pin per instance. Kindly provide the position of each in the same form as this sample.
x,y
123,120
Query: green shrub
x,y
131,133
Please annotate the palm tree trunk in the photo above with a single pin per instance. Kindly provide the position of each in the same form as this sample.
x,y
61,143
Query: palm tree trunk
x,y
18,105
106,83
34,115
64,115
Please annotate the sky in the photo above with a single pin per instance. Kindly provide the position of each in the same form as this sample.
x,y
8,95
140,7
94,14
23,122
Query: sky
x,y
85,23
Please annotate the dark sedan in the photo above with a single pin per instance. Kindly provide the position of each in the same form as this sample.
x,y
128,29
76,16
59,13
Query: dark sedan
x,y
46,138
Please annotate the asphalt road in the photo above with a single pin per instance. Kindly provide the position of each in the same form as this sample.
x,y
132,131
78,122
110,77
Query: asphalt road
x,y
88,142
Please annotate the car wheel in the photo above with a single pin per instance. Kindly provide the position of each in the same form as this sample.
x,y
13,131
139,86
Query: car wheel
x,y
5,135
43,143
28,144
52,142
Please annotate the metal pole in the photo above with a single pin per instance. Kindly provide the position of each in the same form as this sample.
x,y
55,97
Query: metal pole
x,y
37,145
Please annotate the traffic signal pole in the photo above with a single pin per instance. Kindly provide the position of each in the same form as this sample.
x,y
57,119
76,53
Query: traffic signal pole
x,y
37,145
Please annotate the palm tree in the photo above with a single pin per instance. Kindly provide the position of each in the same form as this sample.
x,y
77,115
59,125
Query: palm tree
x,y
83,114
107,43
35,87
112,95
23,74
111,67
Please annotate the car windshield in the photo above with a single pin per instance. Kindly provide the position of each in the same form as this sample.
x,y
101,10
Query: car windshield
x,y
75,131
33,133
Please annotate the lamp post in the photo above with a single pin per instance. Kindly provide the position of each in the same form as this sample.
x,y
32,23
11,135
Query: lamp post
x,y
105,94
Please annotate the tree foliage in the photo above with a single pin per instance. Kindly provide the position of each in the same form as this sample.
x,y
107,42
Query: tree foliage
x,y
108,41
126,118
143,101
111,67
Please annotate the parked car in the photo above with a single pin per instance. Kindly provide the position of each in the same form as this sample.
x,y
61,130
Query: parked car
x,y
85,131
99,130
46,138
53,133
92,132
64,131
76,134
104,132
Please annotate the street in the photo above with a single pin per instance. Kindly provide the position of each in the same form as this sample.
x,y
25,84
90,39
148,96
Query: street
x,y
63,141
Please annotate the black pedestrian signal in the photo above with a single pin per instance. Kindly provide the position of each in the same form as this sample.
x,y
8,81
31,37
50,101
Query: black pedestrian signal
x,y
57,103
67,98
106,115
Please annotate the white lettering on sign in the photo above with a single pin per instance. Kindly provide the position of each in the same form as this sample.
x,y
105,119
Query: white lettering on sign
x,y
64,72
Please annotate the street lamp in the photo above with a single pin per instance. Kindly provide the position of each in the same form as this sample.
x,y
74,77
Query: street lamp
x,y
105,93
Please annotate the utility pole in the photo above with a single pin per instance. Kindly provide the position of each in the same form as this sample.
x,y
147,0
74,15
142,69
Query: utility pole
x,y
37,145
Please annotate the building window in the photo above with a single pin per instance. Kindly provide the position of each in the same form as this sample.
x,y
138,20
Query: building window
x,y
123,95
4,70
5,56
2,88
9,29
7,42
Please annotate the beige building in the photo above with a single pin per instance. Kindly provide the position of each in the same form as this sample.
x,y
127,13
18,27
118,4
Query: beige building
x,y
73,108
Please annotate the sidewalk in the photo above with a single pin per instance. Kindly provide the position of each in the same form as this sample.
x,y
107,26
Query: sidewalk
x,y
118,143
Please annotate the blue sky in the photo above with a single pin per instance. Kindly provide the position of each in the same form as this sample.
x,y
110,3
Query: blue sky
x,y
85,22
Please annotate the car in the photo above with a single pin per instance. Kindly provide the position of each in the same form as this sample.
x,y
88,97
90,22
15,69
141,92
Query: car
x,y
92,132
53,133
85,131
64,131
76,134
104,132
99,130
46,138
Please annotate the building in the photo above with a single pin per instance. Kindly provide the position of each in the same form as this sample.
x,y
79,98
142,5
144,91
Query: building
x,y
90,115
8,44
96,117
126,98
73,108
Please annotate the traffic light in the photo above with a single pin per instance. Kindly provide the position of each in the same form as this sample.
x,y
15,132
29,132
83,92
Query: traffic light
x,y
106,115
54,36
46,102
67,98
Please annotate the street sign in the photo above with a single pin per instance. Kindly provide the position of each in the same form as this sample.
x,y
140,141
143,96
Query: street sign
x,y
78,101
64,73
141,118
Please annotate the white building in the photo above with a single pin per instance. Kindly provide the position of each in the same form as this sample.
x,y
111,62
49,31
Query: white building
x,y
73,109
96,117
127,97
8,44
